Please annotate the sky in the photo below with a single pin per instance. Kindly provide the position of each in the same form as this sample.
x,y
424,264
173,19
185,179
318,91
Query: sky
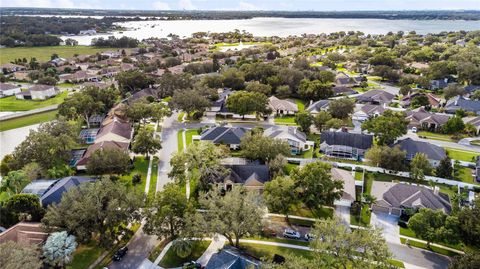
x,y
291,5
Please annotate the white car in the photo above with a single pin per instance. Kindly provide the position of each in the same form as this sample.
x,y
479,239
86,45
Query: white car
x,y
309,237
414,129
291,234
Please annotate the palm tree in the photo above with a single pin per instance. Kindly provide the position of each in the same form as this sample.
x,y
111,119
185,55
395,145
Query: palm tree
x,y
182,247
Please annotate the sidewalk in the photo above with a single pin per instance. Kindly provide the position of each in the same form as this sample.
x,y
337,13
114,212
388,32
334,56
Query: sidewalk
x,y
217,243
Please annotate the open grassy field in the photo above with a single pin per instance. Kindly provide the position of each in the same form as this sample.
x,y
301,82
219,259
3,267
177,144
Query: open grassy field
x,y
11,103
43,53
27,120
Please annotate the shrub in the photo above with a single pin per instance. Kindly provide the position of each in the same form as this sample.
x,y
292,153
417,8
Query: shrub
x,y
136,178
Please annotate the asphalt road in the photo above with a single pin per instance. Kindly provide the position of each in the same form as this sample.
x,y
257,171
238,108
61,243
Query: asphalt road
x,y
138,249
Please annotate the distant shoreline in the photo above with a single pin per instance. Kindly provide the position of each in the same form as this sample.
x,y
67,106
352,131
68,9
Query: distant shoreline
x,y
470,15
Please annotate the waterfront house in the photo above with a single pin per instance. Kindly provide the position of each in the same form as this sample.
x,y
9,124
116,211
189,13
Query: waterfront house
x,y
7,89
38,92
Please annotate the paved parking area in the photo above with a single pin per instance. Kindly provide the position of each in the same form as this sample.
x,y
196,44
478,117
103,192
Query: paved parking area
x,y
388,224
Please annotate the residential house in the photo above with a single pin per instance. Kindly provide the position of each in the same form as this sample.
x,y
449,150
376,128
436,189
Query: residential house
x,y
422,119
343,90
10,68
231,258
346,80
438,84
470,89
477,169
111,54
230,136
475,121
348,195
433,101
295,138
345,145
282,106
393,198
460,102
460,42
82,163
51,191
316,107
434,153
21,75
38,92
364,112
252,176
88,136
376,97
220,103
142,94
7,89
116,131
25,233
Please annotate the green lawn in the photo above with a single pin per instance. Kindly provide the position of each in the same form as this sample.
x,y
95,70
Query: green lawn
x,y
307,154
153,179
27,120
140,167
11,103
172,260
180,140
189,135
180,116
363,219
462,155
267,252
435,136
368,182
285,120
465,175
157,250
300,104
289,167
358,175
432,248
85,254
319,213
43,53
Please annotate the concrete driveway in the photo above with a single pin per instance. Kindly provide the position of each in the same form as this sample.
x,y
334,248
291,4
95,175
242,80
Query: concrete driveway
x,y
343,213
388,224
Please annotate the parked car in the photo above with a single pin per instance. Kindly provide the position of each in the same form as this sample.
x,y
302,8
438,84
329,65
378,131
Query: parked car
x,y
288,233
120,254
414,129
191,265
309,237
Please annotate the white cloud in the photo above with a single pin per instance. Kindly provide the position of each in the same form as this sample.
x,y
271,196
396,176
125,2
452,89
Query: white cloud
x,y
161,5
185,4
49,4
246,6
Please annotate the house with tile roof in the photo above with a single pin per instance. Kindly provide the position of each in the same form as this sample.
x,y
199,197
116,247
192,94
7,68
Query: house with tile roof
x,y
296,139
282,106
424,120
393,198
116,131
82,163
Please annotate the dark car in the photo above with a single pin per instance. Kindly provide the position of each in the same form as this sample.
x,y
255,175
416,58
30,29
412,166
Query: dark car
x,y
120,254
191,265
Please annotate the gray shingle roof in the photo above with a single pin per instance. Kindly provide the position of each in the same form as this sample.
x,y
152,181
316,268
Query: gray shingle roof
x,y
318,106
241,173
411,196
224,135
354,140
460,102
378,96
291,131
55,193
412,147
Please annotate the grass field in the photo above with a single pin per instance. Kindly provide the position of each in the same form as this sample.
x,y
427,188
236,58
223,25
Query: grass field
x,y
462,155
153,179
435,136
13,104
27,120
172,260
44,53
140,167
85,254
285,120
189,135
180,140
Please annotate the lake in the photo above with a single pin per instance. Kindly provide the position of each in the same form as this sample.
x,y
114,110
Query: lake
x,y
10,139
281,27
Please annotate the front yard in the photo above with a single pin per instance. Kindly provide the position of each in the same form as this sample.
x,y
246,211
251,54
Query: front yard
x,y
462,155
285,120
435,136
85,254
140,167
171,259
